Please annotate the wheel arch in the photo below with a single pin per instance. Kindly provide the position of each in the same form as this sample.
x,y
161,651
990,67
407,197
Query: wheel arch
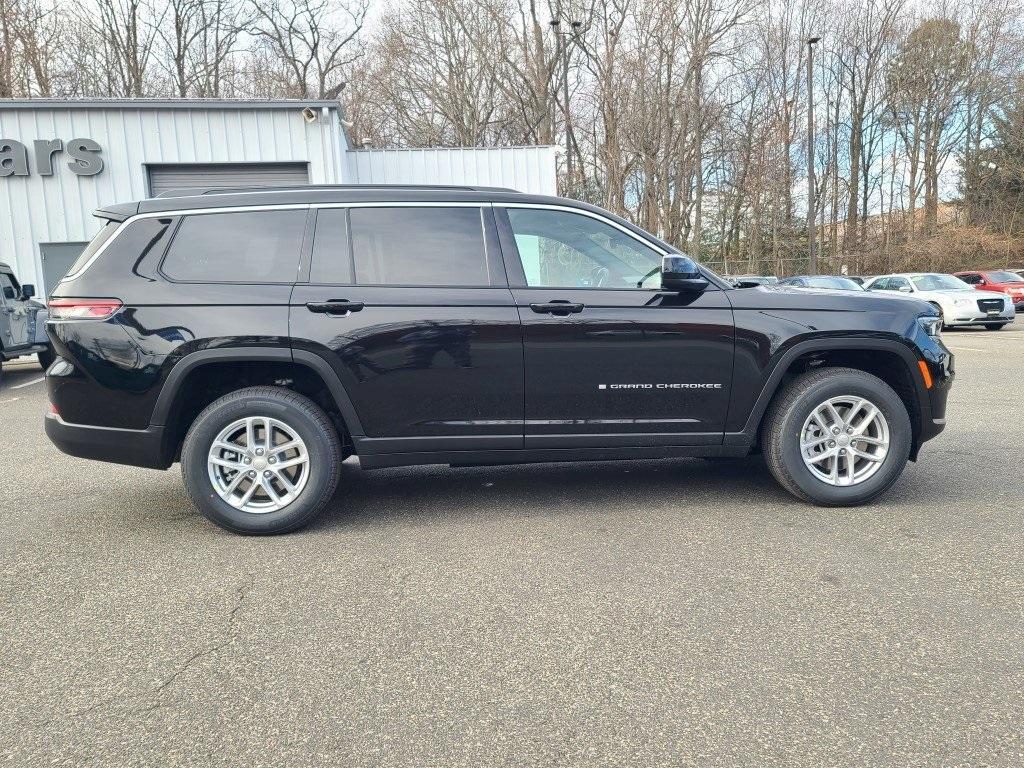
x,y
172,402
891,360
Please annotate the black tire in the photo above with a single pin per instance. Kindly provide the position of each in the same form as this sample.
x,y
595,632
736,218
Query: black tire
x,y
46,358
781,434
303,416
998,327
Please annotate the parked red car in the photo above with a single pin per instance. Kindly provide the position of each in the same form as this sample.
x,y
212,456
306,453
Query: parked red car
x,y
1003,281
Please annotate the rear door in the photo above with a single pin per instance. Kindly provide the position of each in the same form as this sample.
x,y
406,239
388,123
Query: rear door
x,y
410,305
611,360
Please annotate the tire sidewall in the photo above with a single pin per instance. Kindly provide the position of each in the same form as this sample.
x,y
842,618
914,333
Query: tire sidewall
x,y
196,452
900,438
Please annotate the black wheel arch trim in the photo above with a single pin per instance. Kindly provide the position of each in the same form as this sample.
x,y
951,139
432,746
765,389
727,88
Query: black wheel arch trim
x,y
896,345
194,360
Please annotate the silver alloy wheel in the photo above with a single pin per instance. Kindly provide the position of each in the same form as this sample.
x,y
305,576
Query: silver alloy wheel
x,y
258,464
845,440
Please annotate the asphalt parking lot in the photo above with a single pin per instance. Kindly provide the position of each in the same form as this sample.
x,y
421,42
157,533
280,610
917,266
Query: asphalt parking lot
x,y
657,613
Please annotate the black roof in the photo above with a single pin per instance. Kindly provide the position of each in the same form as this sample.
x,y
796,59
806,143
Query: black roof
x,y
188,199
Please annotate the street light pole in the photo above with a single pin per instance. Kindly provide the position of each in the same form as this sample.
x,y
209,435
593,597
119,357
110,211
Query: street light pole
x,y
562,50
812,235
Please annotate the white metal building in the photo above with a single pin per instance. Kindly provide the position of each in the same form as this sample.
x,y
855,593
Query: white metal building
x,y
62,159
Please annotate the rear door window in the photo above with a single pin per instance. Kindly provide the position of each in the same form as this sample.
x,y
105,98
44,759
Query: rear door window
x,y
237,247
411,246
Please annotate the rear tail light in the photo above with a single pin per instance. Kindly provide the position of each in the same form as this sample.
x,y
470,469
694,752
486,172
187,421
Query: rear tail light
x,y
83,309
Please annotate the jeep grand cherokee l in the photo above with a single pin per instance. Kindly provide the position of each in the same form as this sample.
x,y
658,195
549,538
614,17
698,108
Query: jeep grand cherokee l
x,y
260,338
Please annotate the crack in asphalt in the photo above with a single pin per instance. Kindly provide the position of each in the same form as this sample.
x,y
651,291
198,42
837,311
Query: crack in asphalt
x,y
229,635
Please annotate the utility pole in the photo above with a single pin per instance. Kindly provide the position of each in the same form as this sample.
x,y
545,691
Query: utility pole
x,y
812,234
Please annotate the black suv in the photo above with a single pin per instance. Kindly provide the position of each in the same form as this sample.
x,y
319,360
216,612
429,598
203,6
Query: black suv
x,y
261,337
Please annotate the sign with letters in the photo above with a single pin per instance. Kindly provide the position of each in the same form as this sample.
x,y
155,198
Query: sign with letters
x,y
84,157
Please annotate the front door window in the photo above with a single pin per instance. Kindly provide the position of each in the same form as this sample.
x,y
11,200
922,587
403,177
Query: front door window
x,y
559,249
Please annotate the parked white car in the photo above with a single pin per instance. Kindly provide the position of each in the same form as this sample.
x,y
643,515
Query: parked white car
x,y
959,303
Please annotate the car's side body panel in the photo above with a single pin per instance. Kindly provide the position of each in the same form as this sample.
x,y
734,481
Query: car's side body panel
x,y
453,374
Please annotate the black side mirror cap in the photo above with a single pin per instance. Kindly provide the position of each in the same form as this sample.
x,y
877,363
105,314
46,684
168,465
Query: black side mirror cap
x,y
681,273
28,291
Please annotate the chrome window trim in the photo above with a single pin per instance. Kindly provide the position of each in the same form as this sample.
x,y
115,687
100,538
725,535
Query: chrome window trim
x,y
368,204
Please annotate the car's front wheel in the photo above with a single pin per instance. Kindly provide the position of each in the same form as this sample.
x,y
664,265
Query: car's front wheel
x,y
261,460
996,327
837,436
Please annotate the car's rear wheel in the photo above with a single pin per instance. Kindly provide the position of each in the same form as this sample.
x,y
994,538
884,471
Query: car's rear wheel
x,y
261,460
46,357
837,437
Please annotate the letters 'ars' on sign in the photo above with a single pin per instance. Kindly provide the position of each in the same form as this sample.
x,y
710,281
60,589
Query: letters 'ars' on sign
x,y
84,157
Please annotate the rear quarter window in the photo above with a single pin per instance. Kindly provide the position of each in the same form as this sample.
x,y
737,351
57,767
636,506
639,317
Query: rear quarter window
x,y
236,247
94,245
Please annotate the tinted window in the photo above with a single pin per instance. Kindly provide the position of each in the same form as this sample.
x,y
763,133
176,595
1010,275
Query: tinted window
x,y
970,279
94,245
569,250
254,247
419,246
1003,277
6,286
332,260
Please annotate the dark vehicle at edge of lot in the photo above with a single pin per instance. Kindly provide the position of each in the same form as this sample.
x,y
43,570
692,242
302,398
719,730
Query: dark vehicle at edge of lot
x,y
22,321
261,337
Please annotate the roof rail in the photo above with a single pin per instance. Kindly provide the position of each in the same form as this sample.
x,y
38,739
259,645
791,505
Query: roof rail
x,y
196,191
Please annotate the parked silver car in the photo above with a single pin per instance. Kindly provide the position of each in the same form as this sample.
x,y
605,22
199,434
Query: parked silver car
x,y
22,321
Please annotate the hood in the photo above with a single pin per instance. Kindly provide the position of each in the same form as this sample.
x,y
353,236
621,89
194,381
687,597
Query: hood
x,y
791,297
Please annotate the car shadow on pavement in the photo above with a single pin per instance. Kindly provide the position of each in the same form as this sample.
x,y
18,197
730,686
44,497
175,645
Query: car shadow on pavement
x,y
544,490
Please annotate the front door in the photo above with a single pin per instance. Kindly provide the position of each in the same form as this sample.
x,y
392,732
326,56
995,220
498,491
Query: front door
x,y
611,360
411,307
13,313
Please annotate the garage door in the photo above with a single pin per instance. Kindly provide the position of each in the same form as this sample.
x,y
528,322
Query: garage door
x,y
166,178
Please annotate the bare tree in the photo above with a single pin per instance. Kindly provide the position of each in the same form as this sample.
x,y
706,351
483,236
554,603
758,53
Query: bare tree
x,y
315,40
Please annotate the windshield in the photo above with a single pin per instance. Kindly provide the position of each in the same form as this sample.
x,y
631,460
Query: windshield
x,y
1004,277
939,283
834,283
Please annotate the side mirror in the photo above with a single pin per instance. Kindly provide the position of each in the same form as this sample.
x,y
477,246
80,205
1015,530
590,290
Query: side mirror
x,y
680,273
905,289
28,291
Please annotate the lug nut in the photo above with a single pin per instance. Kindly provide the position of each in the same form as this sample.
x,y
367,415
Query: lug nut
x,y
849,430
266,473
271,460
259,451
835,430
252,474
247,460
831,443
842,451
